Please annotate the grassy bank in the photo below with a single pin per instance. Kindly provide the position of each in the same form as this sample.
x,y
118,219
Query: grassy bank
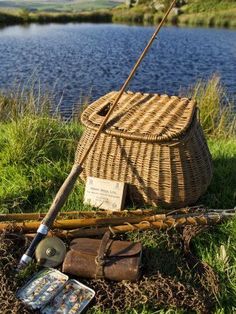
x,y
58,6
144,17
209,13
37,151
25,17
224,18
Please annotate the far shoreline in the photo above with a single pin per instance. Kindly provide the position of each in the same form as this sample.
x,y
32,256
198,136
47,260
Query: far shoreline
x,y
110,17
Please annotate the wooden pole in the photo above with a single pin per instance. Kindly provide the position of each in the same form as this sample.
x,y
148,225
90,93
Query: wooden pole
x,y
77,214
115,221
69,224
167,223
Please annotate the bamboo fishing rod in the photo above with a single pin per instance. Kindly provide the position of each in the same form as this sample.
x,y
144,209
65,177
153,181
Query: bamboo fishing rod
x,y
70,224
78,214
77,223
16,217
161,224
69,183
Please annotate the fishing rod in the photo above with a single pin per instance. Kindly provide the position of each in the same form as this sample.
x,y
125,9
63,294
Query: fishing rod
x,y
160,222
70,224
69,183
78,214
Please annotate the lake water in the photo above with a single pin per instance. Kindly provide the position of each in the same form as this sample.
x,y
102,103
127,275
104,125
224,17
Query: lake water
x,y
77,60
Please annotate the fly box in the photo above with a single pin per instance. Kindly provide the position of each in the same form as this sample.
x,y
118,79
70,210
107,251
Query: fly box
x,y
72,299
50,291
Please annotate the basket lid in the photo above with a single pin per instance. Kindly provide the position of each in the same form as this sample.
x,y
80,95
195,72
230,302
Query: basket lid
x,y
141,116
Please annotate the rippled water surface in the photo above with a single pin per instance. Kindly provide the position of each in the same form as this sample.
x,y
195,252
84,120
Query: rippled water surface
x,y
89,59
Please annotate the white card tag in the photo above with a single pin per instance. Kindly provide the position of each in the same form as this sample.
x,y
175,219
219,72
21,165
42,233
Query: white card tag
x,y
105,194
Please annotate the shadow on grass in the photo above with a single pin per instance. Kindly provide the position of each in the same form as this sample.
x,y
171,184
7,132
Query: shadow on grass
x,y
162,260
222,190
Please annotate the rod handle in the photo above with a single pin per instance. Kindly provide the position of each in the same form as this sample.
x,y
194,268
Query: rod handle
x,y
62,195
27,257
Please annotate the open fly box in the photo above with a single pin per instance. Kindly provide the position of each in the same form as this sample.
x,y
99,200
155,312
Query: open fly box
x,y
51,292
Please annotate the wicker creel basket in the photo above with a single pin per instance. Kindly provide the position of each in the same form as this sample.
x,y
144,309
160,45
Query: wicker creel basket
x,y
152,142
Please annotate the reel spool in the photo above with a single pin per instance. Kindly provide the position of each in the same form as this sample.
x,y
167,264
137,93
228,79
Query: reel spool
x,y
50,252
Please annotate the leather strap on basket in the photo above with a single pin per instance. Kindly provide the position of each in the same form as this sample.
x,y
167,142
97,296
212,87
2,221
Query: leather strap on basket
x,y
100,258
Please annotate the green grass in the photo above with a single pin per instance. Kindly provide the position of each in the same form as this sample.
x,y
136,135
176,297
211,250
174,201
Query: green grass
x,y
198,6
58,6
25,17
216,110
37,152
224,18
210,13
222,191
218,248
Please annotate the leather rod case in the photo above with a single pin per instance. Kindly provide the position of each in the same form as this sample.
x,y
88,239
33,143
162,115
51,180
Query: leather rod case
x,y
106,258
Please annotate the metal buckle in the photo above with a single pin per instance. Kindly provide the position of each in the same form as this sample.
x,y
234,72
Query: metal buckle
x,y
99,261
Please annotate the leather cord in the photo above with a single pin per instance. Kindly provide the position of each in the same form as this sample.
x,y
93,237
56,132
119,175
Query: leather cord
x,y
100,259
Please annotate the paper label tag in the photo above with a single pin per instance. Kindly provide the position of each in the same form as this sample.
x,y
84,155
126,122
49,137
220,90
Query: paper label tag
x,y
105,194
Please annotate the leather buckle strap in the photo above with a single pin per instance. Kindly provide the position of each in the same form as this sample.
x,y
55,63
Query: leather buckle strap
x,y
100,258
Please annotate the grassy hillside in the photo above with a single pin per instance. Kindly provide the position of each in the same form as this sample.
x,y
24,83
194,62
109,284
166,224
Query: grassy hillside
x,y
58,5
192,12
55,11
212,13
199,6
209,13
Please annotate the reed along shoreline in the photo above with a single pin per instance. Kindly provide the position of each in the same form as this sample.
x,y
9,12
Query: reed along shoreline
x,y
204,19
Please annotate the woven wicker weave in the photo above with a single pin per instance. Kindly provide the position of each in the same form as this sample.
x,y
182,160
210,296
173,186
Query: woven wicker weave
x,y
152,142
